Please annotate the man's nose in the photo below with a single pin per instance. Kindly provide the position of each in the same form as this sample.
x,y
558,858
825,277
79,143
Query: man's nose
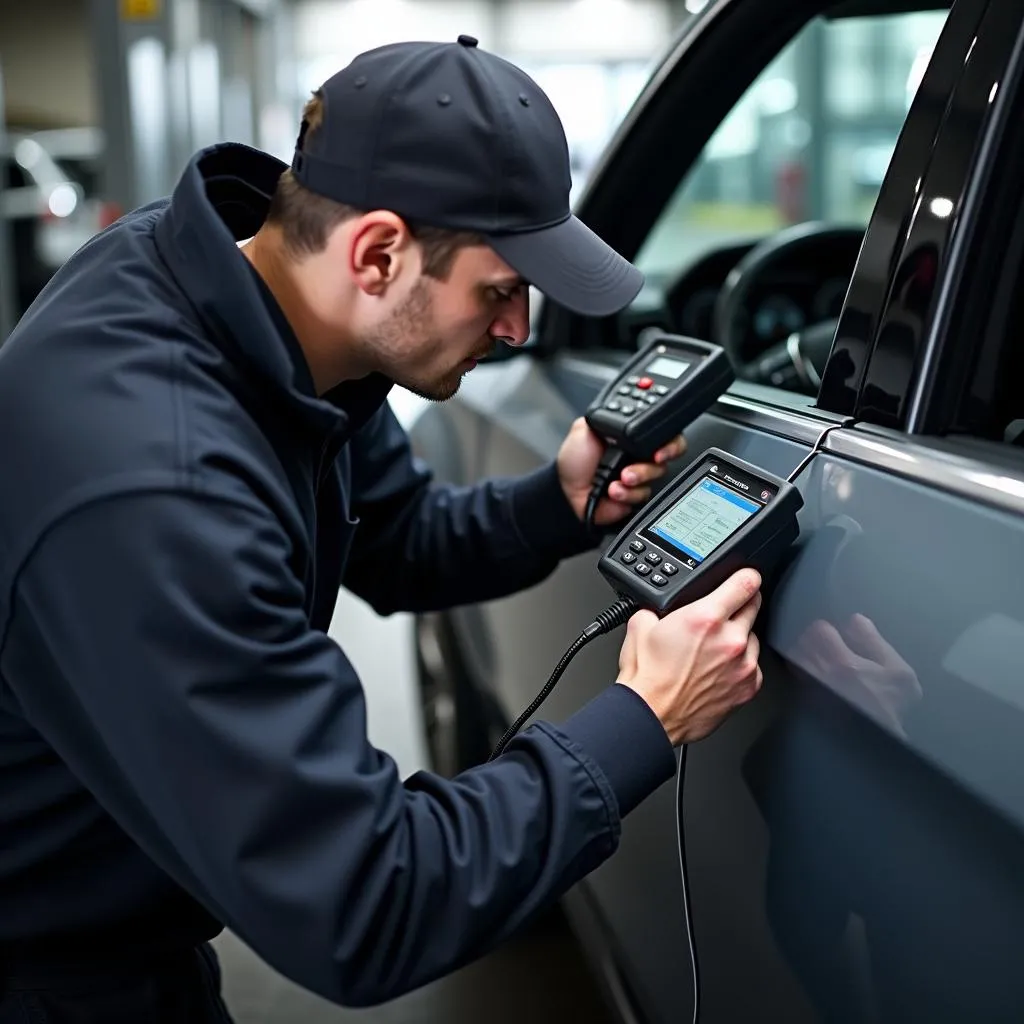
x,y
512,326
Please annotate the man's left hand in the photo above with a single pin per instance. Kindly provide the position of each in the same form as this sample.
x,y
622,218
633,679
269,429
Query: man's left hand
x,y
578,457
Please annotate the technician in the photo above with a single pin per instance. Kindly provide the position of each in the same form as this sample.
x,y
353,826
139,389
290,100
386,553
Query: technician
x,y
198,452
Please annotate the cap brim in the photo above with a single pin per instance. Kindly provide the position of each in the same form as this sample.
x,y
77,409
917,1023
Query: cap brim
x,y
572,266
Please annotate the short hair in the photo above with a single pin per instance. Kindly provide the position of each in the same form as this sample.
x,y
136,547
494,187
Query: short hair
x,y
306,218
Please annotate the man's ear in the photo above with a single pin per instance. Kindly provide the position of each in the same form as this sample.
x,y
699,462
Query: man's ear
x,y
378,249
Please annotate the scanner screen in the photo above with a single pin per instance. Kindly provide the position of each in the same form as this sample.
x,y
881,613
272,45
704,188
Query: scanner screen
x,y
665,367
703,518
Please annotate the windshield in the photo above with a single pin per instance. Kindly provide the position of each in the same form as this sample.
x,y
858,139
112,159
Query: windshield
x,y
811,139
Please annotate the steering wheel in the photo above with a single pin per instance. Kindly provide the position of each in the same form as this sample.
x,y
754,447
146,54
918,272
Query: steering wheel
x,y
792,359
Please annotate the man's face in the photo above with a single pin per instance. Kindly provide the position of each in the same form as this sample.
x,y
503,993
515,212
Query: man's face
x,y
441,328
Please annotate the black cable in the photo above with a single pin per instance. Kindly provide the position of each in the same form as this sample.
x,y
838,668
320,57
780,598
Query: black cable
x,y
607,470
683,874
614,615
680,834
816,447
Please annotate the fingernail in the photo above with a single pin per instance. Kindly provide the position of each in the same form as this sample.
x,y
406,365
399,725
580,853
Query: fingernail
x,y
629,477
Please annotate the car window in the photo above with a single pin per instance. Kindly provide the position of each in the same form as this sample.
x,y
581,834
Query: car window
x,y
811,139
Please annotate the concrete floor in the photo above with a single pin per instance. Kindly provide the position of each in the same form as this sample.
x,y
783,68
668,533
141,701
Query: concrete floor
x,y
539,977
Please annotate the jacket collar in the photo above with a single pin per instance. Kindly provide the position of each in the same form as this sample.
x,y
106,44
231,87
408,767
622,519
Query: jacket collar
x,y
221,198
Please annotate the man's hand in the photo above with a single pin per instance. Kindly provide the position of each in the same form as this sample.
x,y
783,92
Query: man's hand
x,y
577,462
699,663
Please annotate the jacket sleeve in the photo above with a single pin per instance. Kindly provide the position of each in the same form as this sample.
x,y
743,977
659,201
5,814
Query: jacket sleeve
x,y
446,545
159,643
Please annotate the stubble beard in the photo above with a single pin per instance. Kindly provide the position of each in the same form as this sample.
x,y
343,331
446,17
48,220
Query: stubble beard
x,y
414,316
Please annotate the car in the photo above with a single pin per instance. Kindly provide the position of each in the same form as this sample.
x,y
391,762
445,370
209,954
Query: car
x,y
49,198
830,191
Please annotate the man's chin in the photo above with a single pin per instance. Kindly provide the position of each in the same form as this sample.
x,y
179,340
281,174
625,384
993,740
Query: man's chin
x,y
440,391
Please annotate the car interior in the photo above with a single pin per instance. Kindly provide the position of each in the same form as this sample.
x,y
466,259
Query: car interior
x,y
754,203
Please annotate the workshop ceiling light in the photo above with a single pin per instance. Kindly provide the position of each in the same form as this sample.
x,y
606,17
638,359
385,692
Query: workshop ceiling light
x,y
63,200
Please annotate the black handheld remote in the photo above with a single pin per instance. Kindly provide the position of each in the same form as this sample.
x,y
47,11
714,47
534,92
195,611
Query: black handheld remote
x,y
666,386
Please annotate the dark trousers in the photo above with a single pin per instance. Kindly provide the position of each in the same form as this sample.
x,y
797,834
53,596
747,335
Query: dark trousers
x,y
183,988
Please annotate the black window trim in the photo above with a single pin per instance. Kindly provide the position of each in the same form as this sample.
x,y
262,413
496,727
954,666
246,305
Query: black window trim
x,y
868,297
925,414
904,332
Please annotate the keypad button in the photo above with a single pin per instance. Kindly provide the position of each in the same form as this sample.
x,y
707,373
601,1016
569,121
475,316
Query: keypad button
x,y
614,405
632,380
642,568
637,394
651,399
660,389
644,383
653,557
628,408
669,569
638,545
658,580
625,390
628,557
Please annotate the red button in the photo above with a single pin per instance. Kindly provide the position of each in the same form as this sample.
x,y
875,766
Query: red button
x,y
644,382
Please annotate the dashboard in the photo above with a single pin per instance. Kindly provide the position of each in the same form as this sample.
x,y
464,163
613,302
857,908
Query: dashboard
x,y
800,287
799,290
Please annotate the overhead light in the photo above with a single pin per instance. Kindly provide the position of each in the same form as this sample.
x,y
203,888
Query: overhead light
x,y
62,201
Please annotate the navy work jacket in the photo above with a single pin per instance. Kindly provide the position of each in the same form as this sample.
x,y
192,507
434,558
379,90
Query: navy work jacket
x,y
182,745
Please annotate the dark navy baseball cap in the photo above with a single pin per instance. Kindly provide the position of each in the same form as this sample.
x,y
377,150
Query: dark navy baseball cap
x,y
449,135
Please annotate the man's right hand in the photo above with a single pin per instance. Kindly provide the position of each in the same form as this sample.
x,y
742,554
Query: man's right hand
x,y
698,663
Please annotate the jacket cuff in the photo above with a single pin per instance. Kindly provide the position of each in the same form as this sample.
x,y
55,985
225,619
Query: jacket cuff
x,y
544,518
622,735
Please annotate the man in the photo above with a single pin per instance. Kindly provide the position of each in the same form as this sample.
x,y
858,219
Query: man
x,y
198,453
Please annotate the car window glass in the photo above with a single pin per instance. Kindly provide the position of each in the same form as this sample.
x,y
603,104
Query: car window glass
x,y
811,139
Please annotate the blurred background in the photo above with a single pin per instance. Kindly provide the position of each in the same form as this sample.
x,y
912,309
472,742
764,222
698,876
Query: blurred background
x,y
102,102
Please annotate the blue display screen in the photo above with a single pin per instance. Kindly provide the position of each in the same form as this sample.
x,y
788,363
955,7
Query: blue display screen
x,y
703,518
